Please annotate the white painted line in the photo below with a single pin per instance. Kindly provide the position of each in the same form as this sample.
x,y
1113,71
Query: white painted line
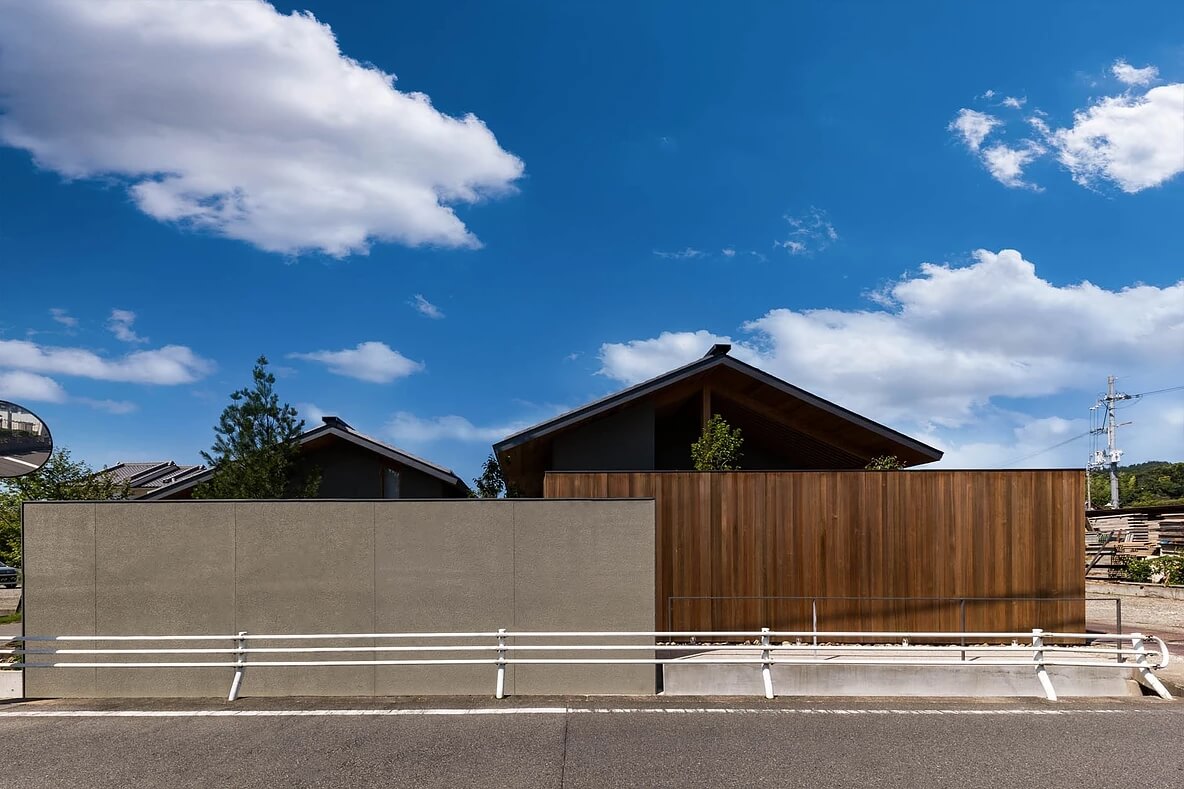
x,y
22,462
527,711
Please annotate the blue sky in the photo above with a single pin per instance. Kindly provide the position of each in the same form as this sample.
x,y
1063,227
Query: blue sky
x,y
954,218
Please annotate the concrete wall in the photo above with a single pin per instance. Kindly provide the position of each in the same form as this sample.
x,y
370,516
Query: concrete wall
x,y
621,442
215,567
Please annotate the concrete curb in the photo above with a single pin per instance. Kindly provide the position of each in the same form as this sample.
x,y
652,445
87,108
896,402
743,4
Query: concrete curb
x,y
1132,589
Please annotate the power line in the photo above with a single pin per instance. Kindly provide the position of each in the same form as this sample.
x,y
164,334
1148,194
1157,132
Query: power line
x,y
1160,391
1048,449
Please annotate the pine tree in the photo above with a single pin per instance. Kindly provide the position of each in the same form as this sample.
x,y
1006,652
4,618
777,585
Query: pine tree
x,y
256,454
491,484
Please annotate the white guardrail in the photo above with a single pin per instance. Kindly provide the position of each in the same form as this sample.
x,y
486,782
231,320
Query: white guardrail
x,y
1040,650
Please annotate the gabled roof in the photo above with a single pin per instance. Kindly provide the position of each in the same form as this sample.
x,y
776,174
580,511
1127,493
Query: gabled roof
x,y
717,357
333,428
149,474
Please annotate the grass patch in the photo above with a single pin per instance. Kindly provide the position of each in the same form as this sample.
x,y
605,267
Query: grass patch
x,y
8,619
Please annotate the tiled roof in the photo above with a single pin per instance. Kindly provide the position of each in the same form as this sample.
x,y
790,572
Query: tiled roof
x,y
150,474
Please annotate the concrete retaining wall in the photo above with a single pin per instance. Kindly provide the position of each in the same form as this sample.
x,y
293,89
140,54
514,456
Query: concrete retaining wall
x,y
189,567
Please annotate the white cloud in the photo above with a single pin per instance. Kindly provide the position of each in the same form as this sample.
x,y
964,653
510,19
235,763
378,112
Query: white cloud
x,y
1133,141
688,253
1129,75
1013,102
973,127
110,406
120,324
810,232
426,308
1136,142
298,148
1006,165
410,430
17,385
168,365
311,414
945,342
728,252
370,361
63,317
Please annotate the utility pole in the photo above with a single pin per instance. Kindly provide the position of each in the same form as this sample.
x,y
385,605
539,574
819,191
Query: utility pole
x,y
1113,454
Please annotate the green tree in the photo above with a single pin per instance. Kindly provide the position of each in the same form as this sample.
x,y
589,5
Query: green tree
x,y
61,479
256,454
491,484
718,448
1140,485
885,463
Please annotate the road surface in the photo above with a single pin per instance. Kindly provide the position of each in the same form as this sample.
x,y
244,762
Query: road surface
x,y
597,742
15,465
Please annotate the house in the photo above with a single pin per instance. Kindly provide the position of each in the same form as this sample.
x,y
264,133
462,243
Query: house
x,y
651,426
352,466
148,476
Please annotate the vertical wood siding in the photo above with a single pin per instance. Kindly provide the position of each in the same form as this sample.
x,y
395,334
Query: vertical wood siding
x,y
859,535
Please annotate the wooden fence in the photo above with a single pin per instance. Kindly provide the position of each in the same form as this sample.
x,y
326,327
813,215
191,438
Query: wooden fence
x,y
765,544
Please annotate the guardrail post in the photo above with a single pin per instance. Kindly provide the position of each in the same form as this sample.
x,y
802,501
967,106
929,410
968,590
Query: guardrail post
x,y
500,692
1148,677
766,666
814,619
240,661
1118,626
1038,658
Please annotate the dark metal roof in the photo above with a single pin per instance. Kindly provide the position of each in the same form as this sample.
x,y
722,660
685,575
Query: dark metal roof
x,y
714,358
337,428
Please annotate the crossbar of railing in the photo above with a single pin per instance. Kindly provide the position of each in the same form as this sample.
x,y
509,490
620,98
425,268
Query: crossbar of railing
x,y
761,652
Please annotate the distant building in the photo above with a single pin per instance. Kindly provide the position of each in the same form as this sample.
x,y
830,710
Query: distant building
x,y
352,466
13,417
149,476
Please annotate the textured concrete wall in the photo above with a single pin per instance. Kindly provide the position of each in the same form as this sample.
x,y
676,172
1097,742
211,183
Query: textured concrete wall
x,y
188,567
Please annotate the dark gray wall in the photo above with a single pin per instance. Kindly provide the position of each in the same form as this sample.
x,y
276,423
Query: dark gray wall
x,y
284,567
351,472
620,442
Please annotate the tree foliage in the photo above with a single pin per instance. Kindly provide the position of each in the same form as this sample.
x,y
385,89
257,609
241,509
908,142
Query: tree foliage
x,y
1140,485
61,479
719,447
491,484
885,463
256,454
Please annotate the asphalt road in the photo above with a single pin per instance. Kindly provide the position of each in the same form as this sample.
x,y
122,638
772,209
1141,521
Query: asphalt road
x,y
594,743
15,465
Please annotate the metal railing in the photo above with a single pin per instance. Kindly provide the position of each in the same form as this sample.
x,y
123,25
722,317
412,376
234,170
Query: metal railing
x,y
499,650
893,605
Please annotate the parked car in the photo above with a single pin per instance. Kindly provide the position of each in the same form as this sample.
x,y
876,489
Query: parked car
x,y
9,576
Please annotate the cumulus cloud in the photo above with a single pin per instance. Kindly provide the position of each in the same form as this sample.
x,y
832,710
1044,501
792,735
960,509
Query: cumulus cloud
x,y
426,308
371,361
17,386
1129,75
943,343
1006,165
410,430
168,365
298,148
311,413
120,324
1013,102
63,317
973,126
1134,140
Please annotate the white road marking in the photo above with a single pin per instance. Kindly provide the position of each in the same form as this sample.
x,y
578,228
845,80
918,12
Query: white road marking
x,y
22,462
19,713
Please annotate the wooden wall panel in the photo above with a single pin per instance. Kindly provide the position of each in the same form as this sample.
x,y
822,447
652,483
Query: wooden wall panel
x,y
856,538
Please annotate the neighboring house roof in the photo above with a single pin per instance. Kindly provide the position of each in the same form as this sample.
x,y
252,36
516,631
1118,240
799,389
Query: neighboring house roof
x,y
150,474
333,428
718,365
